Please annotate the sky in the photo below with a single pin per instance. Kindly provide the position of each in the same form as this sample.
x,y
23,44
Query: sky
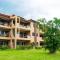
x,y
31,9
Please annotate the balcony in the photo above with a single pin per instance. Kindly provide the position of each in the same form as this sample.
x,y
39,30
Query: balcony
x,y
23,27
4,35
4,25
23,37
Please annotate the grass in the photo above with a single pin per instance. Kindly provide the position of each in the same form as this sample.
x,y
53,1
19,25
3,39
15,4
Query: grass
x,y
28,55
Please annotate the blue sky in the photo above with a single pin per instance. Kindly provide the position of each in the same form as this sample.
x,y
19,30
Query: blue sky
x,y
34,9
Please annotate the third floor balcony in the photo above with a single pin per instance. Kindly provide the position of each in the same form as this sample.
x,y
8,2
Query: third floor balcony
x,y
23,26
5,24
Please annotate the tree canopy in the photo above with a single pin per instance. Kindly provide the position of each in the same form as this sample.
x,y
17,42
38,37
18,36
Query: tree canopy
x,y
51,33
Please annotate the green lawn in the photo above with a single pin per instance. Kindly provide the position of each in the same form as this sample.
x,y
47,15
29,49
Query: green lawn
x,y
28,55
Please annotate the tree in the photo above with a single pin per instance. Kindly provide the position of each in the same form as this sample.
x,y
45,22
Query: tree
x,y
41,24
52,35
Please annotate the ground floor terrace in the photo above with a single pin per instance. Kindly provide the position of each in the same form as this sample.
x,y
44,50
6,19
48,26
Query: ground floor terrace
x,y
15,43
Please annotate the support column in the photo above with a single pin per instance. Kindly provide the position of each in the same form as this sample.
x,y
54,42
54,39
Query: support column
x,y
14,43
11,44
11,35
38,43
15,40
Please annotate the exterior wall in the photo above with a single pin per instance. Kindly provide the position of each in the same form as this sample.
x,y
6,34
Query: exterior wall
x,y
15,29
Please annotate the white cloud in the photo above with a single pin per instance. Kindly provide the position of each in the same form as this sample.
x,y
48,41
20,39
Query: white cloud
x,y
37,8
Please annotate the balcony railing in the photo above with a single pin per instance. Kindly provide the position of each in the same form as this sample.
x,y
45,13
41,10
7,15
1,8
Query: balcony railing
x,y
23,26
19,37
5,24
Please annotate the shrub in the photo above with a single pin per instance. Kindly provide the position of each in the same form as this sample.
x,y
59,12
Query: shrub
x,y
38,47
24,47
3,47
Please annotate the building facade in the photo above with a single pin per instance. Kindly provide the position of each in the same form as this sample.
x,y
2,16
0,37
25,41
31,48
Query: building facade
x,y
15,30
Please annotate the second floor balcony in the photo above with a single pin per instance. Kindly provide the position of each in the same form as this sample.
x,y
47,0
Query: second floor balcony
x,y
23,36
4,34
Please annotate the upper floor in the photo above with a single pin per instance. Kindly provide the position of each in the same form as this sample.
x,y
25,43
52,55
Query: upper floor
x,y
16,26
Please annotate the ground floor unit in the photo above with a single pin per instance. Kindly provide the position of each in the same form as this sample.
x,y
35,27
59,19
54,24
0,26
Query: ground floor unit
x,y
15,43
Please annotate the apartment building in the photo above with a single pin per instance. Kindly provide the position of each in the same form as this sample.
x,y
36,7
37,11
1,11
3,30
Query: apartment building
x,y
15,30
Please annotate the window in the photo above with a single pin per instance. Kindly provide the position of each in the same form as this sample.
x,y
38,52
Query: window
x,y
33,34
